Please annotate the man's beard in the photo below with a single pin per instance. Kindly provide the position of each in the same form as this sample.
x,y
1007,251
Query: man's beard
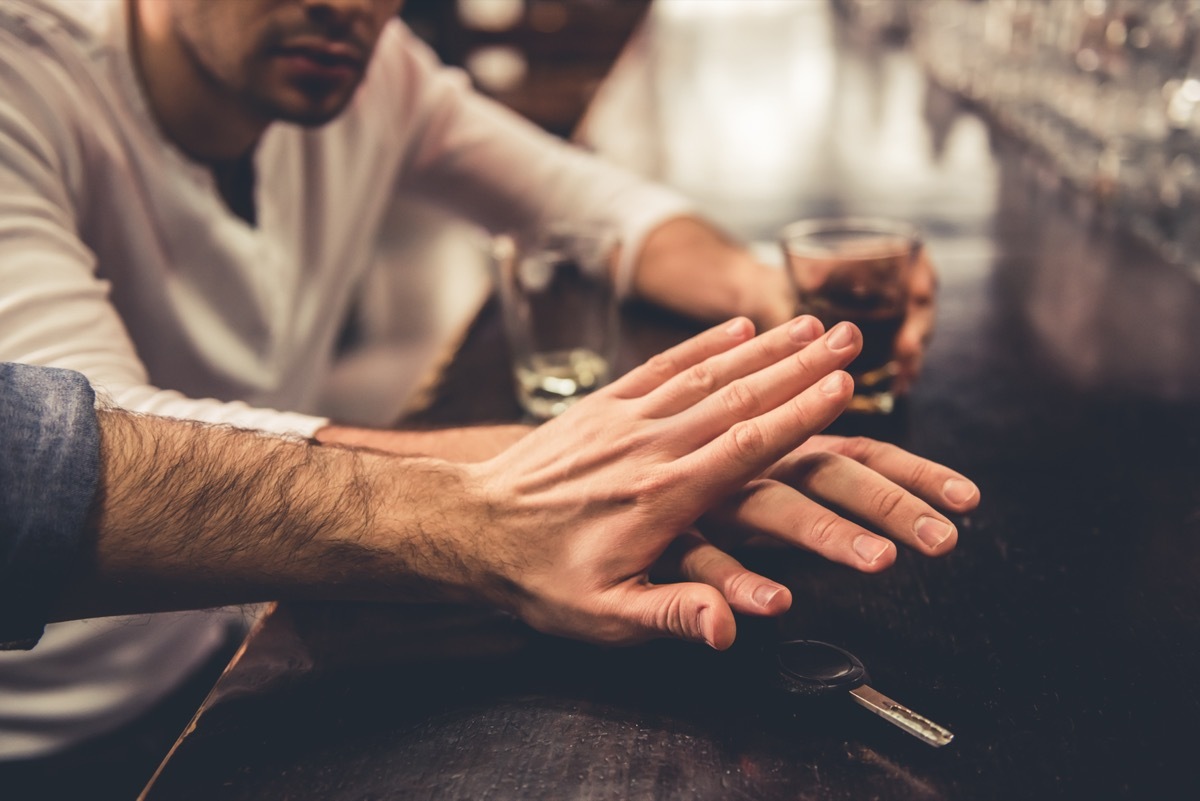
x,y
311,115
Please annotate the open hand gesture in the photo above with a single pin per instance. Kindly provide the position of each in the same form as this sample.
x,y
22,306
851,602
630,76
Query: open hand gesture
x,y
583,507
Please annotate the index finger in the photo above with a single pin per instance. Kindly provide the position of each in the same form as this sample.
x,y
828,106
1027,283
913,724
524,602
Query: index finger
x,y
927,479
659,369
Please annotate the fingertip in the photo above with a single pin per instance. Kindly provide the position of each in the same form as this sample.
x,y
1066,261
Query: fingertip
x,y
771,599
715,627
874,553
938,536
804,329
842,336
837,383
740,328
704,625
960,492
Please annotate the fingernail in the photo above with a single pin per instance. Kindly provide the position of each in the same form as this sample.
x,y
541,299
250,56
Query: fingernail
x,y
933,532
765,594
804,330
958,490
737,327
840,337
833,384
702,626
869,548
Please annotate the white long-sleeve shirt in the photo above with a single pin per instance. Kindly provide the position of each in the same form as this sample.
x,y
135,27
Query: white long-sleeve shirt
x,y
119,259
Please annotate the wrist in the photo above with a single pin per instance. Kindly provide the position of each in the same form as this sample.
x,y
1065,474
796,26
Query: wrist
x,y
441,531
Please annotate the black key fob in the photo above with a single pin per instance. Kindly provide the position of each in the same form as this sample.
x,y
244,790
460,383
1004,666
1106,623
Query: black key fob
x,y
815,668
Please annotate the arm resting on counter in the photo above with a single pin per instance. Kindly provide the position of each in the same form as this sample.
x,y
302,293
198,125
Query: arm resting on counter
x,y
563,527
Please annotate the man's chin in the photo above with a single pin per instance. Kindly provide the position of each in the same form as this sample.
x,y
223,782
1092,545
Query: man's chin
x,y
308,110
310,118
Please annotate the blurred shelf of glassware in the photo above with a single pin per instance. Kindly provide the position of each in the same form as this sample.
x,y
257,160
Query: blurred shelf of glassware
x,y
542,58
1105,92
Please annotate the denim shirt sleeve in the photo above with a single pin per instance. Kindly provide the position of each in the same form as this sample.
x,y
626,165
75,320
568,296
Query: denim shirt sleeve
x,y
49,471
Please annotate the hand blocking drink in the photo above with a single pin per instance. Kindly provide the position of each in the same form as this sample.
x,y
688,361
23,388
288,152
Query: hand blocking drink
x,y
856,269
560,313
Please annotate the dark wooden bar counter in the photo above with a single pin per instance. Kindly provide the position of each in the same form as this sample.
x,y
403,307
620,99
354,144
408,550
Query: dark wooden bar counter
x,y
1060,641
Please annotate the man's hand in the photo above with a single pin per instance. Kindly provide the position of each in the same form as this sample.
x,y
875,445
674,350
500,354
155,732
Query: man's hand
x,y
880,485
584,506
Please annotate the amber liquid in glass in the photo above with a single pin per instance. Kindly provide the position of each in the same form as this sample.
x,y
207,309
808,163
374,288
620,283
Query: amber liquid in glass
x,y
879,316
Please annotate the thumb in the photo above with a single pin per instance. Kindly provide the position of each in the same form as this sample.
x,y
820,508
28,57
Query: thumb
x,y
687,611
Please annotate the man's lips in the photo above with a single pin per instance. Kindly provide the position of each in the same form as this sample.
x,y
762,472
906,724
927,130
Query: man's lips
x,y
323,59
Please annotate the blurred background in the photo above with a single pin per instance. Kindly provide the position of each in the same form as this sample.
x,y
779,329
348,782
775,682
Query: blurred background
x,y
543,58
1108,91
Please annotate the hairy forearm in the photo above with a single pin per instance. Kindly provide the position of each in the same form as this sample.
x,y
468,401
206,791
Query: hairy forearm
x,y
191,515
466,444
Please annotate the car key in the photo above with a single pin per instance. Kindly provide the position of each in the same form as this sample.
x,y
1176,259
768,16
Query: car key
x,y
811,668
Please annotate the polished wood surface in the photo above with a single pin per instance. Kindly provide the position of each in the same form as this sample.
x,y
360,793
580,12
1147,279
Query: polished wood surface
x,y
1060,641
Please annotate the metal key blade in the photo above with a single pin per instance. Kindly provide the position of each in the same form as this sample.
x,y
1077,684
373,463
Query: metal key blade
x,y
918,726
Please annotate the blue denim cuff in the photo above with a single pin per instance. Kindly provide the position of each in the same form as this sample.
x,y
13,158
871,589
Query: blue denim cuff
x,y
50,441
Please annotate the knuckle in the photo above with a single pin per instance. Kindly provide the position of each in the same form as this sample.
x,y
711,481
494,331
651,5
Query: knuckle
x,y
860,448
811,465
804,362
920,473
738,585
888,500
650,484
763,352
802,416
746,440
741,401
823,531
756,493
660,365
760,489
670,617
643,439
701,564
703,379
